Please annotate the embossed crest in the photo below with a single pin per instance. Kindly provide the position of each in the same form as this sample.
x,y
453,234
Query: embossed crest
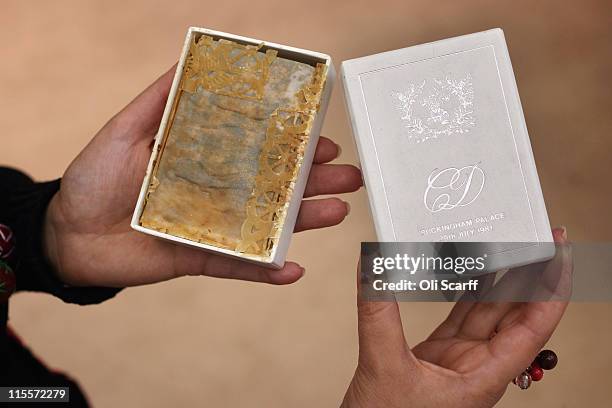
x,y
437,107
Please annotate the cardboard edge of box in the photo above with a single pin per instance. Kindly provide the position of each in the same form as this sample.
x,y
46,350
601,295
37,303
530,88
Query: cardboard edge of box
x,y
279,253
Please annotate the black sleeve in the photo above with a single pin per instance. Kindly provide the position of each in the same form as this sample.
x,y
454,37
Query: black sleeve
x,y
23,204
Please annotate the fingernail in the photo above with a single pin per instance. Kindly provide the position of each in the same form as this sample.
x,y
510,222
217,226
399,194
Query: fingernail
x,y
563,231
339,150
303,271
348,208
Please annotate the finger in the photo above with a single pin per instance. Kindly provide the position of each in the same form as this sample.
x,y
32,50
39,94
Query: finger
x,y
333,179
478,320
381,335
194,262
220,267
450,326
141,117
557,285
326,151
525,330
483,318
321,213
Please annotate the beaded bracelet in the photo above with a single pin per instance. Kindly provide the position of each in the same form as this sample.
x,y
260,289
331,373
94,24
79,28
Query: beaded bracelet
x,y
545,360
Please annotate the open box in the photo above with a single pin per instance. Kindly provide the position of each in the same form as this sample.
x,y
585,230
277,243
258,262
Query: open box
x,y
235,145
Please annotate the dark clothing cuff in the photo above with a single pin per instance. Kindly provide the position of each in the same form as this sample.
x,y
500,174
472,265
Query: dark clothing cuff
x,y
23,208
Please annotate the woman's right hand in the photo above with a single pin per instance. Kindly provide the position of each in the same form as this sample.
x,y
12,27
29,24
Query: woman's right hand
x,y
88,238
461,364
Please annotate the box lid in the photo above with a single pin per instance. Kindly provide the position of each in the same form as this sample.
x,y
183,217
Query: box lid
x,y
443,143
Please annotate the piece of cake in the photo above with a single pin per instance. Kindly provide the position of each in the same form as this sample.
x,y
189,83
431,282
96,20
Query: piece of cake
x,y
233,146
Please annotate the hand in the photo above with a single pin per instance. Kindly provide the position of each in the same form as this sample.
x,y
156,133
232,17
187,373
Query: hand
x,y
88,238
461,364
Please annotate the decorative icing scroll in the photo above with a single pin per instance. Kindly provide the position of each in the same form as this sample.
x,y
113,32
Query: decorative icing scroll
x,y
279,162
227,68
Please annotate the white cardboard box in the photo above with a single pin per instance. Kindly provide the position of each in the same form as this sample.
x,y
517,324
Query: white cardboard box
x,y
279,252
444,147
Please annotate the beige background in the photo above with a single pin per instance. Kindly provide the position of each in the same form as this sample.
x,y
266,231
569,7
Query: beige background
x,y
67,66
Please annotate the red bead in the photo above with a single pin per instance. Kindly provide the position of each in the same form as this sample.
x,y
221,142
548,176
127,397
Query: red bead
x,y
7,242
547,359
7,282
536,372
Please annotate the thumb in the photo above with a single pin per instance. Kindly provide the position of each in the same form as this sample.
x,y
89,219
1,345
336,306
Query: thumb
x,y
141,117
381,335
